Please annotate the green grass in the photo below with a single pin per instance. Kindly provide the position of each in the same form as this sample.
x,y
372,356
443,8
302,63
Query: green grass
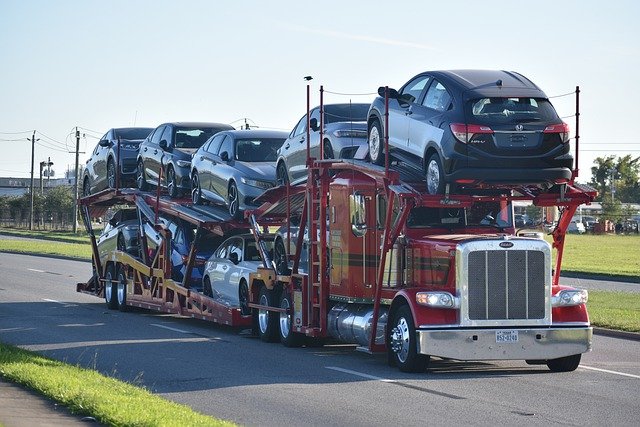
x,y
60,236
615,310
86,392
602,254
75,250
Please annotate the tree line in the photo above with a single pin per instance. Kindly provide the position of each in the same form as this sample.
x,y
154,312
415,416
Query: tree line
x,y
53,210
617,180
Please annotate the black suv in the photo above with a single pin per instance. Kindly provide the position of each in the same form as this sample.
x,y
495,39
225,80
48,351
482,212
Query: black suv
x,y
473,128
170,148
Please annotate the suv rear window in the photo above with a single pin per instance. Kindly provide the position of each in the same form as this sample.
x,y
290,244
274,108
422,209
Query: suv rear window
x,y
134,133
512,110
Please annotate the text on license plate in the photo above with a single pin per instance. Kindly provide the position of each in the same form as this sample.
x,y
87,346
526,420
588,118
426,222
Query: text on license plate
x,y
506,336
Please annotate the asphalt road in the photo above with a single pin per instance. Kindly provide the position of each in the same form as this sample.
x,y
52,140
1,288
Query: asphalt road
x,y
227,373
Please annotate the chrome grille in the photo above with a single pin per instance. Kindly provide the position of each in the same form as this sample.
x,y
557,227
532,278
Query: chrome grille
x,y
506,284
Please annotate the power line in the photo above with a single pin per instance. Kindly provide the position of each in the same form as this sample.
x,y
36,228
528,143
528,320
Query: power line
x,y
51,139
15,133
51,147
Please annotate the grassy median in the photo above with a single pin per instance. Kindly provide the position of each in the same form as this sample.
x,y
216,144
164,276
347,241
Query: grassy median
x,y
86,392
615,310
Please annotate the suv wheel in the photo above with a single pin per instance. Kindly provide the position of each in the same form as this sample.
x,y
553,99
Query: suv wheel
x,y
435,176
111,174
375,141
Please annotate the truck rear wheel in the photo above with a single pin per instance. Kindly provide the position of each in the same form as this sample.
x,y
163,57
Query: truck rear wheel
x,y
287,336
402,342
564,364
267,320
121,289
110,288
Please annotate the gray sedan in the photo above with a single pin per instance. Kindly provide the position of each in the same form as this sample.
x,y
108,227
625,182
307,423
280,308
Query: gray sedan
x,y
344,137
234,167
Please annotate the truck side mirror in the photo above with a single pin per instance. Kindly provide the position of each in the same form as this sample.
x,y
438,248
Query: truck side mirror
x,y
357,213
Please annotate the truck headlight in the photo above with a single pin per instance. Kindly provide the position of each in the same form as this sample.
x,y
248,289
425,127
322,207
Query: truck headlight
x,y
183,163
437,299
569,297
256,183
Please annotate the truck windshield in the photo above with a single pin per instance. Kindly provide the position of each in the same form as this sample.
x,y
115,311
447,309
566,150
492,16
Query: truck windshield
x,y
492,214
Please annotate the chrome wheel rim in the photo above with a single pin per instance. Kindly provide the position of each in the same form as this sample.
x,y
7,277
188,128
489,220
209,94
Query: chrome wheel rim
x,y
263,315
285,318
108,286
281,175
195,189
374,143
433,177
140,176
400,339
233,200
171,182
111,175
122,289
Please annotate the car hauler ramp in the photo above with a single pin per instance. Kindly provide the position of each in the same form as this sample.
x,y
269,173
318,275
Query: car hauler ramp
x,y
144,280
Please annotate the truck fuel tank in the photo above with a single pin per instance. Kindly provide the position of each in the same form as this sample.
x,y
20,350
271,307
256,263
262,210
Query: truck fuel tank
x,y
351,323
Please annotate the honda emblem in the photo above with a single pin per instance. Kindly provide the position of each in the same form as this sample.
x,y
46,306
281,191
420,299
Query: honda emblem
x,y
519,128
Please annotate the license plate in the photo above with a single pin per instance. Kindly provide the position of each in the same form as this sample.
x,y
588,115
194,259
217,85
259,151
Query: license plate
x,y
506,336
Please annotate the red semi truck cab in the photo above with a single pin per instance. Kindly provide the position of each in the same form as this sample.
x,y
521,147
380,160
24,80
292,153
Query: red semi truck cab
x,y
457,279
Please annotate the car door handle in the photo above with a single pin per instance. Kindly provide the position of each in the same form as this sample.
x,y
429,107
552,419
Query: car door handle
x,y
301,140
408,112
224,267
145,148
287,146
155,151
201,158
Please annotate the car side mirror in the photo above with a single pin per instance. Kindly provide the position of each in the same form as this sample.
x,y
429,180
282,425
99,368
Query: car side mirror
x,y
224,156
393,94
104,143
233,257
406,98
313,124
113,222
163,144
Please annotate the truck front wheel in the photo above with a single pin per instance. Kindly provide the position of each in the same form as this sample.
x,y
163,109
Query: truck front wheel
x,y
267,320
564,364
288,337
402,342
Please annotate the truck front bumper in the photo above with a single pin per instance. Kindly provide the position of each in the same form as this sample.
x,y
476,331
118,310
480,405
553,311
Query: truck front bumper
x,y
482,344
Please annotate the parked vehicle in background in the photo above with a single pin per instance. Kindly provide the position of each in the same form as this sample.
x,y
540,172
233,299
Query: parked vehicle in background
x,y
234,167
182,236
226,273
576,227
120,233
473,128
100,170
169,148
344,137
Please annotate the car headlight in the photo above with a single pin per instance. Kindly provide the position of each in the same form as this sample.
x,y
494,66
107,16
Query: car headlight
x,y
184,163
256,183
437,299
569,297
350,133
129,146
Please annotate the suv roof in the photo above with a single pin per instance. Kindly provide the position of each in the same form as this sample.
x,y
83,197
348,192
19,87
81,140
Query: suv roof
x,y
484,83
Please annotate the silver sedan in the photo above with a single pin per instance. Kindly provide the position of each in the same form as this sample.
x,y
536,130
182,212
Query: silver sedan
x,y
234,167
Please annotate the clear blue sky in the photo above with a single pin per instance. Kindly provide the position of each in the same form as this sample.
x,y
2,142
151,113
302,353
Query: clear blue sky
x,y
103,64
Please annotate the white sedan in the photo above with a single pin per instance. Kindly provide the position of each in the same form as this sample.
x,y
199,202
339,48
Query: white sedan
x,y
226,273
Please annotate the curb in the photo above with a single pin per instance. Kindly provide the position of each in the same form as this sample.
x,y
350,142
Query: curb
x,y
607,277
614,333
68,258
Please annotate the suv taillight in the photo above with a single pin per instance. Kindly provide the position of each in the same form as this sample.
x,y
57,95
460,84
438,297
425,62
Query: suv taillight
x,y
562,129
464,133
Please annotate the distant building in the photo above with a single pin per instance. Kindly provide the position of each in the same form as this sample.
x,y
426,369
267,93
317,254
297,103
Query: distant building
x,y
18,186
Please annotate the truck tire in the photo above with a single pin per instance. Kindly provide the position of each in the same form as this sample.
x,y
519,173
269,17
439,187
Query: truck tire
x,y
402,342
268,328
376,143
564,364
288,337
121,289
110,288
243,298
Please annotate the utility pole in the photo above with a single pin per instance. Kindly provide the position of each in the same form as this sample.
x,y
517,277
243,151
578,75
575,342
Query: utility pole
x,y
33,151
75,185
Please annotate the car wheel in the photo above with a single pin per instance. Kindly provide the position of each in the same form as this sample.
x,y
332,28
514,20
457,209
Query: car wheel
x,y
328,150
196,191
243,298
172,184
86,188
233,198
267,320
564,364
206,287
434,175
141,181
402,342
280,258
287,336
281,174
111,174
121,289
376,143
110,287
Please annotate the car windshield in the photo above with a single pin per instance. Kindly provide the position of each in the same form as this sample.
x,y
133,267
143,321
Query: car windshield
x,y
194,137
133,133
494,214
345,113
258,149
512,110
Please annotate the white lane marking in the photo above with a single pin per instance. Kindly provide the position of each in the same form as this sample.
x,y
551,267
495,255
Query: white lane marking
x,y
610,372
36,270
360,374
171,329
52,300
